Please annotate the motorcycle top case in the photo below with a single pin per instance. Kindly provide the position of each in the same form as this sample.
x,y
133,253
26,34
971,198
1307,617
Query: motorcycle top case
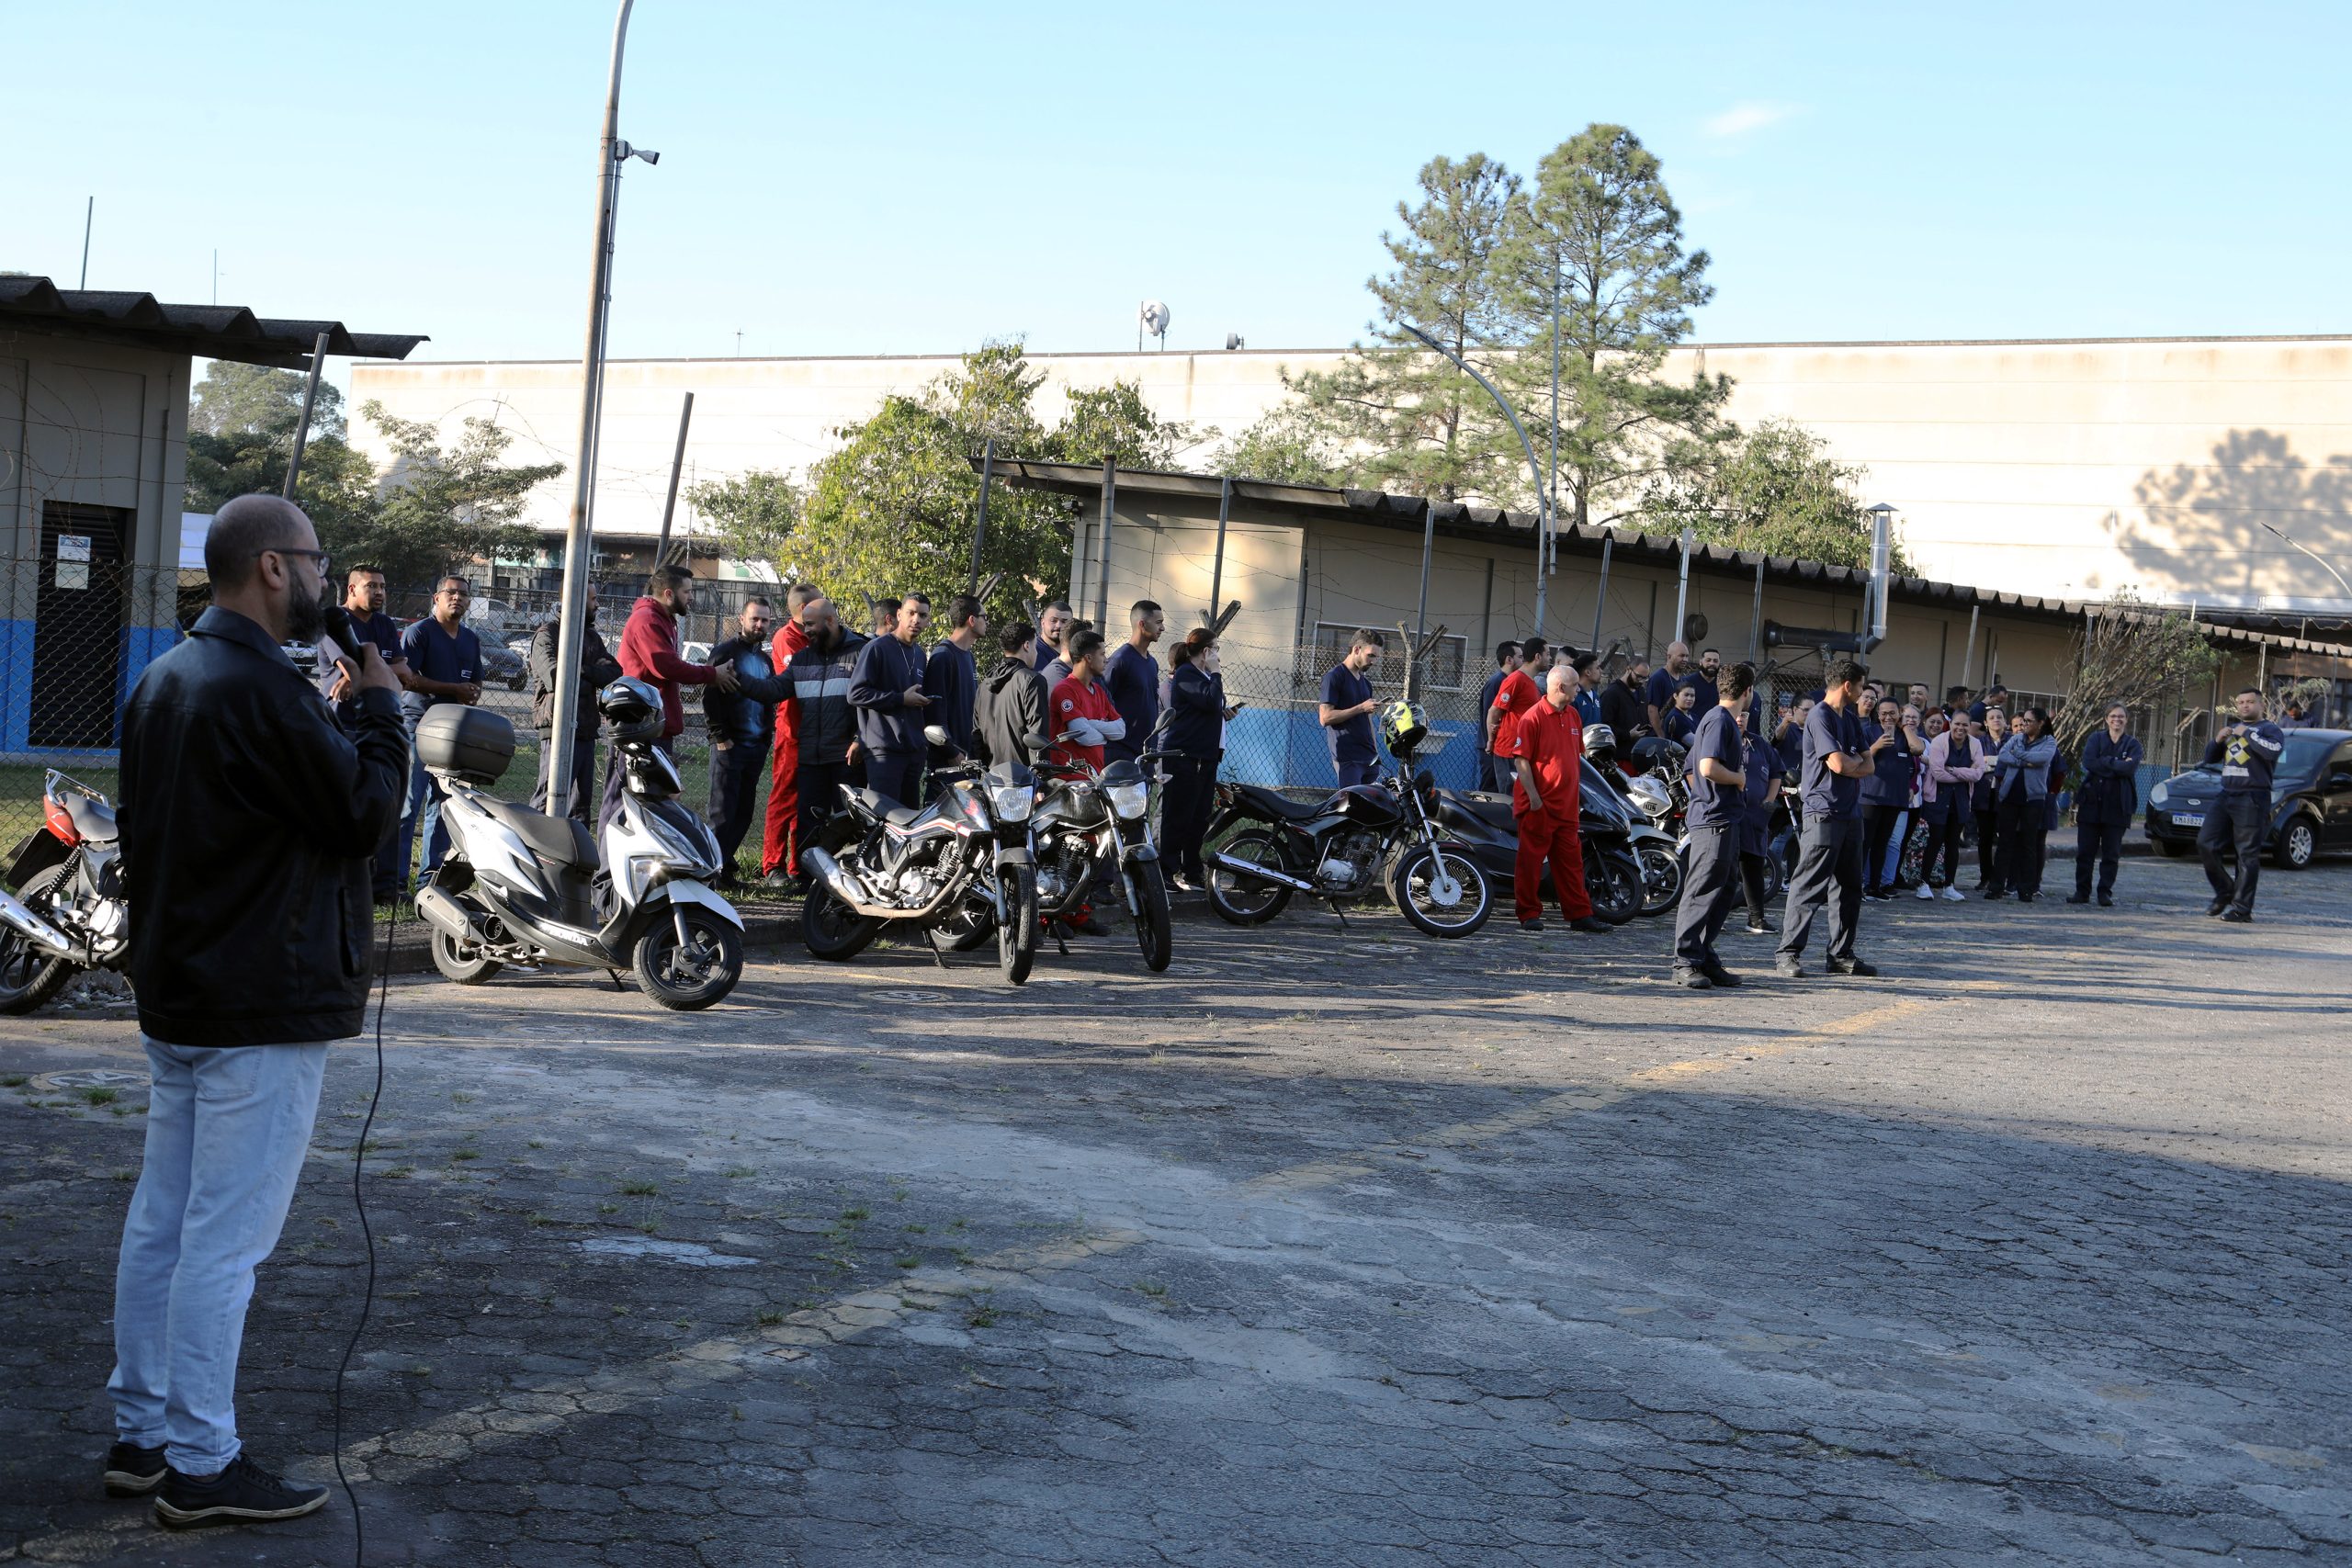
x,y
473,743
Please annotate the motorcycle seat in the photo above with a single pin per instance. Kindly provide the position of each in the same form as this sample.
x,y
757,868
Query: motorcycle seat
x,y
873,804
94,821
560,839
1279,806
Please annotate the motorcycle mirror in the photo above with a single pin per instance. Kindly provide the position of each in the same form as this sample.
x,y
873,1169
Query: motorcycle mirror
x,y
936,734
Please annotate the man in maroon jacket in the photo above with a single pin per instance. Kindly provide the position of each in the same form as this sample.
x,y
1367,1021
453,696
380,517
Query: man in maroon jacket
x,y
649,651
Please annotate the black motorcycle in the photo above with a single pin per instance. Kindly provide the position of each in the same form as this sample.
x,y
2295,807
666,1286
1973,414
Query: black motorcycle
x,y
878,863
69,913
1088,826
1351,842
1483,825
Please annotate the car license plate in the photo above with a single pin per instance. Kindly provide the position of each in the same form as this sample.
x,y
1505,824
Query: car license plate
x,y
2183,819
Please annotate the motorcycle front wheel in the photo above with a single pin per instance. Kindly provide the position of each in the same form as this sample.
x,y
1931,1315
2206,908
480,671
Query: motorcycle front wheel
x,y
1017,938
1237,899
1661,877
1155,931
1442,891
1613,883
29,978
459,964
689,976
831,929
970,923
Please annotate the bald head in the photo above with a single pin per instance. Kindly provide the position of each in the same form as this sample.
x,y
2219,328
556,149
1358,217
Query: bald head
x,y
1560,685
246,527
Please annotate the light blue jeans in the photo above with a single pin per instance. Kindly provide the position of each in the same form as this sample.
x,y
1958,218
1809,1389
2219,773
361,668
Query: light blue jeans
x,y
421,817
227,1129
1893,863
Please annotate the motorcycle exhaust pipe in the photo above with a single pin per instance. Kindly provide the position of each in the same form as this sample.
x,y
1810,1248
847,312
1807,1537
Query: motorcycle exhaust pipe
x,y
444,915
1261,873
844,884
36,930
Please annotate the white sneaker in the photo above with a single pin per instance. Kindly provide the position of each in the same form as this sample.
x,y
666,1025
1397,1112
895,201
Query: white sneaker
x,y
1955,895
1925,892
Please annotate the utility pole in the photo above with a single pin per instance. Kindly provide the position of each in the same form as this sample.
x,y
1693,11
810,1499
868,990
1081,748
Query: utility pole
x,y
89,215
574,612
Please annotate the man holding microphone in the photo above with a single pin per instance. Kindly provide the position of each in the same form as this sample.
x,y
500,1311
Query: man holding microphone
x,y
250,939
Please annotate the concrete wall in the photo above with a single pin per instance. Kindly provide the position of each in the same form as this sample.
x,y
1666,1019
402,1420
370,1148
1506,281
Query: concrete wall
x,y
93,425
2057,469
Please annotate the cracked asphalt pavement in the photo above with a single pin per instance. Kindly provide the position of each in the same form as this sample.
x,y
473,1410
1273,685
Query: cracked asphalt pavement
x,y
1332,1245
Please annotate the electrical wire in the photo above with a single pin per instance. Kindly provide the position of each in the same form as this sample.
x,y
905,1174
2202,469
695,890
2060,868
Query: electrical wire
x,y
358,1202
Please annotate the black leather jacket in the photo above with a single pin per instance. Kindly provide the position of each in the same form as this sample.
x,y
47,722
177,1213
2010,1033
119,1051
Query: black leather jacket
x,y
249,826
598,669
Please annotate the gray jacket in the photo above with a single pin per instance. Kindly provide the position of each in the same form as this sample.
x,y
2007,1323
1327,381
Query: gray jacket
x,y
2029,760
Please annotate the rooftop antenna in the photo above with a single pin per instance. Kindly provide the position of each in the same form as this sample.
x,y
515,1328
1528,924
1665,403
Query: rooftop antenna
x,y
90,213
1151,317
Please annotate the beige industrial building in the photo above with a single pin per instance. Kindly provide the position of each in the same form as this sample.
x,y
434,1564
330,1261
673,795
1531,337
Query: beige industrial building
x,y
2190,470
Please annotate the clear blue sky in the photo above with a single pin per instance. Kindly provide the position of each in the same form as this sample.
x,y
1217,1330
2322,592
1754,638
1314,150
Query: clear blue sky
x,y
917,178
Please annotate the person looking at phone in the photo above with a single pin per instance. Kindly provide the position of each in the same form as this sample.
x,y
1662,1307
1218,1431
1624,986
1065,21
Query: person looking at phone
x,y
1195,736
1345,711
2247,753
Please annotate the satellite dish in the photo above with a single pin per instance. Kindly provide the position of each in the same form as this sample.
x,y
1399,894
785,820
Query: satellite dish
x,y
1233,339
1154,318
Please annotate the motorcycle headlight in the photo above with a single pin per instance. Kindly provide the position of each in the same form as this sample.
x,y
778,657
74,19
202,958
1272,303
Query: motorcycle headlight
x,y
1130,800
1013,802
675,840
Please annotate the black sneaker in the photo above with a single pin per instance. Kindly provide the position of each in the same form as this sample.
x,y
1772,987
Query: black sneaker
x,y
1693,979
243,1494
1762,928
1854,966
2078,898
1722,977
2105,901
1530,925
133,1472
1788,969
1589,926
1994,893
2238,916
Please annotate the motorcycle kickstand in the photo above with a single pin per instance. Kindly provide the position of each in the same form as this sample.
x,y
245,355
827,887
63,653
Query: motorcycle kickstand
x,y
1340,913
615,975
932,940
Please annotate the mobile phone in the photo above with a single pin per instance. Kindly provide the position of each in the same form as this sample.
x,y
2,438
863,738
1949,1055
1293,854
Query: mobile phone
x,y
1236,705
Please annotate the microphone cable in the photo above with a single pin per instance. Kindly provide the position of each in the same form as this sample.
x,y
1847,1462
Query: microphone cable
x,y
358,1202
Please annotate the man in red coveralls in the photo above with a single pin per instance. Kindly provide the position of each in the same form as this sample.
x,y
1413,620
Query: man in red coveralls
x,y
649,651
1545,746
780,843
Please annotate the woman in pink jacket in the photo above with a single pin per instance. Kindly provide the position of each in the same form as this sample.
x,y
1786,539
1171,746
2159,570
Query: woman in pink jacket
x,y
1955,761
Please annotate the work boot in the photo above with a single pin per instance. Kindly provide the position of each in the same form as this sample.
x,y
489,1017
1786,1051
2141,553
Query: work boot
x,y
1854,966
1693,979
1530,925
1788,969
133,1472
2106,900
1722,977
243,1494
1589,926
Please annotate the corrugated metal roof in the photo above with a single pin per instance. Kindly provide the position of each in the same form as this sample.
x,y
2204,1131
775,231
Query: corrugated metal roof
x,y
1383,509
211,332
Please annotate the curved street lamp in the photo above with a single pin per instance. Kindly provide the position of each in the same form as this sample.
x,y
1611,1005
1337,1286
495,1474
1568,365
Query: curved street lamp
x,y
1534,474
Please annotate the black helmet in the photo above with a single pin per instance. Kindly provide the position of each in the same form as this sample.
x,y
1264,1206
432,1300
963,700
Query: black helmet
x,y
1655,753
1599,744
633,708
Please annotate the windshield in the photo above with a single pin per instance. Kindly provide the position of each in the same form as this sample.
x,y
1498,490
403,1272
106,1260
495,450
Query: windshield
x,y
2304,755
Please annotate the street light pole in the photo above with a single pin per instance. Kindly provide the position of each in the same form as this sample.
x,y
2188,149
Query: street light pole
x,y
571,631
2322,563
1535,470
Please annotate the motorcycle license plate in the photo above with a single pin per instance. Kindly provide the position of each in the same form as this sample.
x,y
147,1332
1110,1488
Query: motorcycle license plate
x,y
2183,819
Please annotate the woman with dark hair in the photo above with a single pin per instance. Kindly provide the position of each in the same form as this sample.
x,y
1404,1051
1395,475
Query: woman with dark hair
x,y
2021,796
1886,796
1991,730
1955,764
1195,735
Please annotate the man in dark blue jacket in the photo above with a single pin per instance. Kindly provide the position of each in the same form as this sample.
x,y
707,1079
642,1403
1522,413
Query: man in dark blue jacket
x,y
886,688
824,724
2247,753
249,826
1132,678
2104,802
950,676
742,724
1829,865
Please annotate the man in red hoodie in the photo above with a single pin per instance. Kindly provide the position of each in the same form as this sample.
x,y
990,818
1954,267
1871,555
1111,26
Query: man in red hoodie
x,y
649,651
780,844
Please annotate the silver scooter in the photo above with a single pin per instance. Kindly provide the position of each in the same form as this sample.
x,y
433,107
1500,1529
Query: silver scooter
x,y
522,887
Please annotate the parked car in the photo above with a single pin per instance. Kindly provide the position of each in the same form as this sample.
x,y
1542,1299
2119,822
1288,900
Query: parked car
x,y
501,666
2311,801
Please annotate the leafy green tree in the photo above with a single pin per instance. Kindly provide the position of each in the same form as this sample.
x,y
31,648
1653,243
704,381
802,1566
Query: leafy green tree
x,y
1777,490
336,487
1287,446
753,514
1599,240
233,398
1409,420
443,508
894,507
